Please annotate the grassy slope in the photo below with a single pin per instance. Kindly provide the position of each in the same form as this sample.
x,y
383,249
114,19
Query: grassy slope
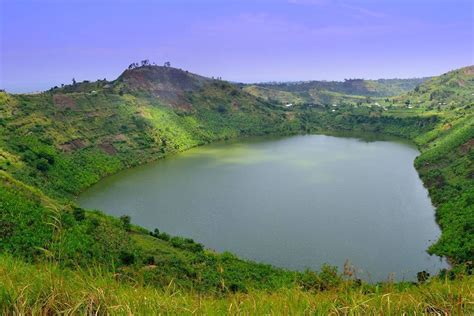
x,y
65,140
332,92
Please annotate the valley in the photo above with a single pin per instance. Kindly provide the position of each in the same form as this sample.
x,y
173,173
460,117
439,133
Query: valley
x,y
56,144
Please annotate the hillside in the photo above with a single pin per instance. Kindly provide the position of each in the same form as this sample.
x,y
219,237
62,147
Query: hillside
x,y
329,92
449,92
68,138
55,144
447,163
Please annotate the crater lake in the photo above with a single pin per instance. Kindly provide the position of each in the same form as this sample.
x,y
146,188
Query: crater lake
x,y
294,202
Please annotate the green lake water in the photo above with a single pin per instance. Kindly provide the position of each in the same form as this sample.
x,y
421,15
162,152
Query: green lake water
x,y
296,202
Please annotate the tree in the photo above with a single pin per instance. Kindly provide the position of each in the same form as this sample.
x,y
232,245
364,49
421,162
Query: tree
x,y
73,81
135,65
145,62
167,64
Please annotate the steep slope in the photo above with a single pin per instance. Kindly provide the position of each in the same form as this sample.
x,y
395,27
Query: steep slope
x,y
446,165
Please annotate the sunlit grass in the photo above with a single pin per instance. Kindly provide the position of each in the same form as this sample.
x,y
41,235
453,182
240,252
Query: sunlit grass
x,y
47,289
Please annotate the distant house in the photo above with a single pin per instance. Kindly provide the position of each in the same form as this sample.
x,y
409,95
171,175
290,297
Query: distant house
x,y
289,104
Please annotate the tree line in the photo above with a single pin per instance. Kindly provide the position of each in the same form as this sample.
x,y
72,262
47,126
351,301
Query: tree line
x,y
146,62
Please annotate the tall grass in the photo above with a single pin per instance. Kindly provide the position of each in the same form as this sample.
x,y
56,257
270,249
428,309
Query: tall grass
x,y
45,288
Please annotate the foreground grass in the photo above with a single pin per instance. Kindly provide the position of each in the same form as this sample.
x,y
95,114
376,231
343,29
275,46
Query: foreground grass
x,y
46,288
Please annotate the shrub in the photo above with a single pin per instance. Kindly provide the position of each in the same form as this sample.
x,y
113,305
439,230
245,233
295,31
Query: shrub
x,y
127,258
326,279
150,260
237,287
422,276
329,277
79,214
164,236
309,280
126,222
42,165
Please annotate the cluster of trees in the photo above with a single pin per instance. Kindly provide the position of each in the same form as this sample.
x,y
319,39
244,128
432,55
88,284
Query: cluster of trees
x,y
145,63
178,242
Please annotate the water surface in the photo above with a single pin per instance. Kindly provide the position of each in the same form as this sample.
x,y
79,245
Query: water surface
x,y
296,202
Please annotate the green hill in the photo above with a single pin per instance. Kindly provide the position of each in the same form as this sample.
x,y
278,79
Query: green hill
x,y
447,163
55,144
330,92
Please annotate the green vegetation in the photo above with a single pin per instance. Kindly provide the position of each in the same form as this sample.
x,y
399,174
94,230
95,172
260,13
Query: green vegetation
x,y
59,257
446,164
332,92
45,288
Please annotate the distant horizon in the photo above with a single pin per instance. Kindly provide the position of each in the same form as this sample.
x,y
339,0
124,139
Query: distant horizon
x,y
46,43
231,81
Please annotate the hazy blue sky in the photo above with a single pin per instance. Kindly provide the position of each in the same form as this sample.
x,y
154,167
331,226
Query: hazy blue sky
x,y
46,43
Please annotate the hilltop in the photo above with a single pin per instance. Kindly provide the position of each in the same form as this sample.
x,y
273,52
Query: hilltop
x,y
55,144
